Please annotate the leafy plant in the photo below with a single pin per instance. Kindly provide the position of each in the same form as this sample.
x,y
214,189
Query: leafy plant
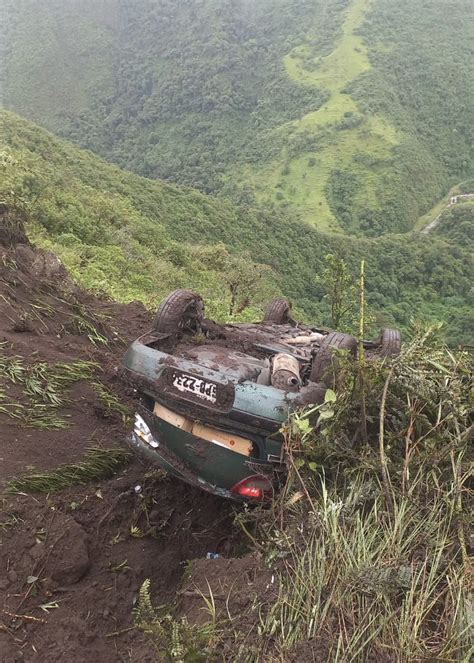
x,y
175,639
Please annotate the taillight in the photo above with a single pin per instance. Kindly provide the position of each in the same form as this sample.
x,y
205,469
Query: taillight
x,y
256,487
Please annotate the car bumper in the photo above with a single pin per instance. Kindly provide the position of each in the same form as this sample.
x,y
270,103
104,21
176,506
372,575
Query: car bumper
x,y
191,459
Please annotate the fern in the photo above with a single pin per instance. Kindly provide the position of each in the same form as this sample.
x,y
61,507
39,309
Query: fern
x,y
178,640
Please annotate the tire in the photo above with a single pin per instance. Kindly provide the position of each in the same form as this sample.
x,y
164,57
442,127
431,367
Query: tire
x,y
181,310
278,312
390,343
325,363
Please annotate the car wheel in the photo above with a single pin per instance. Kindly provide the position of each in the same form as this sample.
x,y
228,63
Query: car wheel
x,y
181,310
278,312
324,363
390,343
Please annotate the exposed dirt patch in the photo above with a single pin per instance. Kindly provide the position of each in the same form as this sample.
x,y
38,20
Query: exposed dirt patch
x,y
44,317
238,587
83,556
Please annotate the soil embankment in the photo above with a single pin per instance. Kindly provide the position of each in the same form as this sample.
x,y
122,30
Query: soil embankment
x,y
72,561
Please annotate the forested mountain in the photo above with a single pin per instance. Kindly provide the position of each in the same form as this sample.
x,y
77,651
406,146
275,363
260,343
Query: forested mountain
x,y
355,115
135,238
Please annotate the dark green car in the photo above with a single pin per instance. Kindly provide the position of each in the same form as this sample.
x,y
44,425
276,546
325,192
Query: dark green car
x,y
212,398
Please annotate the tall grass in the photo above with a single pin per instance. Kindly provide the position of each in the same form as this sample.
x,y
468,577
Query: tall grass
x,y
372,584
372,529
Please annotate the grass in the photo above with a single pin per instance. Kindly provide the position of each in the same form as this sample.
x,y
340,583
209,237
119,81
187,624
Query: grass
x,y
110,401
371,556
357,569
98,463
43,389
347,61
9,520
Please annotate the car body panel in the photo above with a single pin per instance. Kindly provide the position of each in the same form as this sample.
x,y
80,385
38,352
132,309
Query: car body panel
x,y
194,460
263,407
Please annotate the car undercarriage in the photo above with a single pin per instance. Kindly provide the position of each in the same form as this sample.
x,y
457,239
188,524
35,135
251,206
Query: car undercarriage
x,y
212,398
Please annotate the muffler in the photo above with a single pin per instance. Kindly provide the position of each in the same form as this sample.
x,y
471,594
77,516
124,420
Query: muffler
x,y
286,373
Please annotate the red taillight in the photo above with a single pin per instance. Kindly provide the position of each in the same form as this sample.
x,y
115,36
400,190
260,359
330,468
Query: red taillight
x,y
256,487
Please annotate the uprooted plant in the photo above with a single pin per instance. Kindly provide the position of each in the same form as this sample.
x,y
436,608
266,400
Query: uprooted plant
x,y
43,389
98,463
369,539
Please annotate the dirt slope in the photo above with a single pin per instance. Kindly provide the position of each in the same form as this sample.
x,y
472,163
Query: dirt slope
x,y
71,562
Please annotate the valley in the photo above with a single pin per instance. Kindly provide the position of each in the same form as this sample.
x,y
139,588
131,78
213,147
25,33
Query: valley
x,y
336,112
136,239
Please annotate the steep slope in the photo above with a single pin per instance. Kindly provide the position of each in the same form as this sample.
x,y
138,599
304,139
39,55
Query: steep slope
x,y
136,238
355,113
76,540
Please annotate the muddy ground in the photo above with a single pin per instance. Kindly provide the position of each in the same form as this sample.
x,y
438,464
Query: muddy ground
x,y
72,562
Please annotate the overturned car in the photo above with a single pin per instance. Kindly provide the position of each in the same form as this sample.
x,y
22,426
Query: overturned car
x,y
212,398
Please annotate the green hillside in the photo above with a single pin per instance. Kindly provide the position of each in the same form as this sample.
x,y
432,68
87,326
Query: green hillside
x,y
135,238
354,114
120,234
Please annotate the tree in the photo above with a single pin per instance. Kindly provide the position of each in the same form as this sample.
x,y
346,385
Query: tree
x,y
341,291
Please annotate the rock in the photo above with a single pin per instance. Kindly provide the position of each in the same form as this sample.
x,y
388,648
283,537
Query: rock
x,y
12,576
69,559
37,551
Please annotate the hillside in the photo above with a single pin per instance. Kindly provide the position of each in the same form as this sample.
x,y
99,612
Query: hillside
x,y
120,234
365,548
355,114
135,238
75,540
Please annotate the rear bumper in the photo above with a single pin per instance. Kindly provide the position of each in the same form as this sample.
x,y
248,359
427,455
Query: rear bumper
x,y
191,459
163,459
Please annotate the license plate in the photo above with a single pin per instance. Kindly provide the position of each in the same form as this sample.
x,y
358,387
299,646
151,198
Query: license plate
x,y
177,384
203,389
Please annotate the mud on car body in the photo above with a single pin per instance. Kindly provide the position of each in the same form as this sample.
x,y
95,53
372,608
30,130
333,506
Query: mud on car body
x,y
212,398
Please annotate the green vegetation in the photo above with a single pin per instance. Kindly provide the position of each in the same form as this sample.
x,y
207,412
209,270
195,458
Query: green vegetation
x,y
134,238
111,403
65,60
357,114
97,464
383,552
123,235
457,223
176,640
43,389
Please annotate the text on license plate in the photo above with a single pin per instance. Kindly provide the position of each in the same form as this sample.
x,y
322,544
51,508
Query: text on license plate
x,y
201,388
